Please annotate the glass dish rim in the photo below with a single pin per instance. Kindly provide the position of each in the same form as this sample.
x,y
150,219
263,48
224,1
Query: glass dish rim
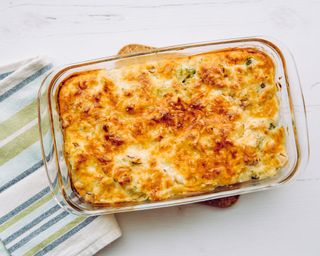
x,y
59,71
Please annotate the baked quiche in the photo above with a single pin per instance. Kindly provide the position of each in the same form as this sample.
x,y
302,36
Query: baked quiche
x,y
171,127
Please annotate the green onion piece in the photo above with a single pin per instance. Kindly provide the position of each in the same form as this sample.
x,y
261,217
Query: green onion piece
x,y
271,126
249,61
184,74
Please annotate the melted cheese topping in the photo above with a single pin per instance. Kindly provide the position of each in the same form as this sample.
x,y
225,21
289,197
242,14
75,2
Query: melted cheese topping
x,y
172,127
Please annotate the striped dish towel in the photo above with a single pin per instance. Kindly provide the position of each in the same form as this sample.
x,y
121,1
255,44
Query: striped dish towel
x,y
31,223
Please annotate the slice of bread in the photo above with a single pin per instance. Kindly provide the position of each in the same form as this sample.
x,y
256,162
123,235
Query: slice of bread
x,y
134,48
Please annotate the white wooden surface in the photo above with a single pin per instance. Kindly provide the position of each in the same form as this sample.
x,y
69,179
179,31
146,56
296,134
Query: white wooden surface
x,y
284,221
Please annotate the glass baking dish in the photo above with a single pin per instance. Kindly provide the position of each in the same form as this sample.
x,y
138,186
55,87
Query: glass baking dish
x,y
292,117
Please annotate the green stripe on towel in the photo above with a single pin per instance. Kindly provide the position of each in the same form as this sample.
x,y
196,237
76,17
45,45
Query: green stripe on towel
x,y
32,223
55,235
24,205
18,120
65,236
38,231
19,143
25,212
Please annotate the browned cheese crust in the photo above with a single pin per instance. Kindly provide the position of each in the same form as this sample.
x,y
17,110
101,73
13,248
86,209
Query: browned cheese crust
x,y
169,128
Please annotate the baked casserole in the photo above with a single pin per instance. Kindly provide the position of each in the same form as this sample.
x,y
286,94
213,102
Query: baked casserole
x,y
173,127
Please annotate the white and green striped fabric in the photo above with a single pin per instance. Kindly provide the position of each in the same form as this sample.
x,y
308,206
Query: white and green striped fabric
x,y
31,223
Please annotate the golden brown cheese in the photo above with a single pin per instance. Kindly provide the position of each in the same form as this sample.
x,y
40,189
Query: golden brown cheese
x,y
168,128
